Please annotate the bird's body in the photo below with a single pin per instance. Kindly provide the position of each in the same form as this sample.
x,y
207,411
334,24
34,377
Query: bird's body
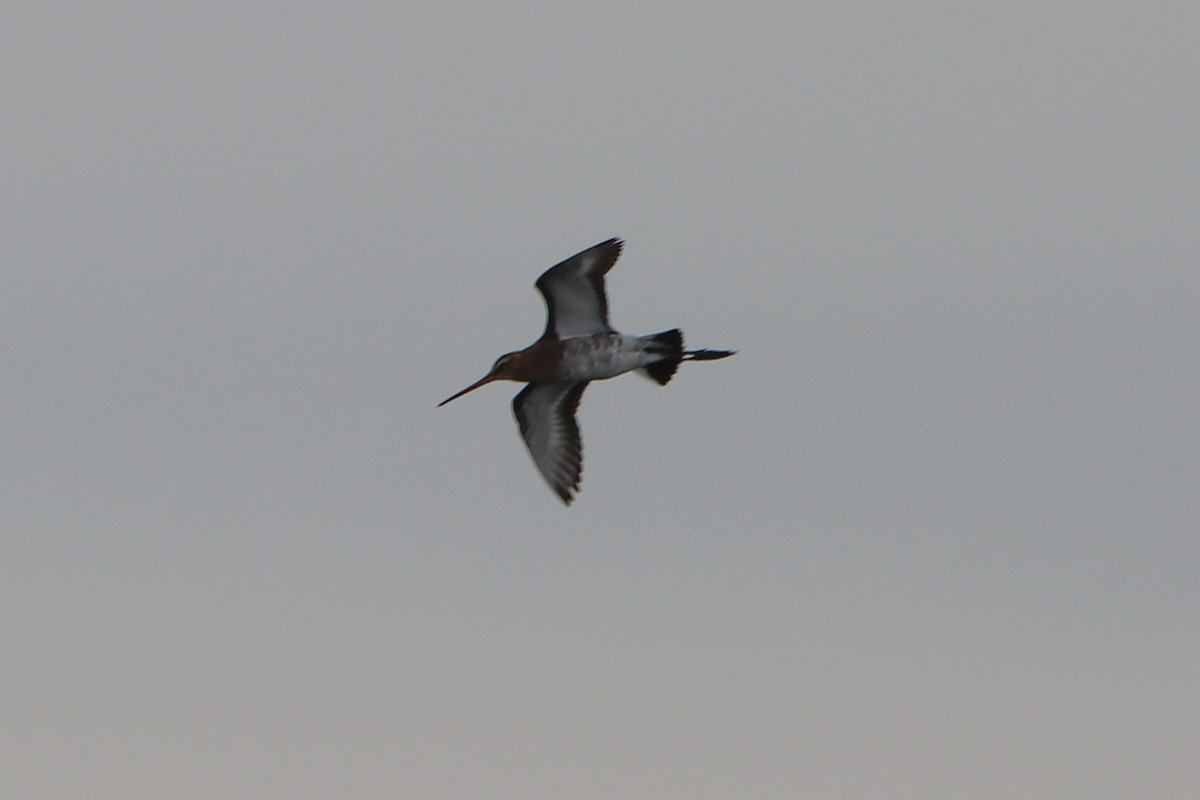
x,y
585,358
578,346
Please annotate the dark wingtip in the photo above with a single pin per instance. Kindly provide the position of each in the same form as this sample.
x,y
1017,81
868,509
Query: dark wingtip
x,y
567,491
616,244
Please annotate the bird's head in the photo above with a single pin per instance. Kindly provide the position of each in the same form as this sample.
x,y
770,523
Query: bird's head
x,y
505,369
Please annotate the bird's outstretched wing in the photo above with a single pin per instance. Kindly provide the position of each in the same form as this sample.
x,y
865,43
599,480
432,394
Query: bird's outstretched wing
x,y
545,414
574,290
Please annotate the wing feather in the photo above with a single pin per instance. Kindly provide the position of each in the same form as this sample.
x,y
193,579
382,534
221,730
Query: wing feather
x,y
545,414
576,304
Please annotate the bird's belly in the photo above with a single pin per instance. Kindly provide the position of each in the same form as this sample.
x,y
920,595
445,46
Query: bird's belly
x,y
589,358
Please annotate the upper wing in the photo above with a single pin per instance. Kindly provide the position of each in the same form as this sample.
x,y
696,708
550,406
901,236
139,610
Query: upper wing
x,y
545,414
574,291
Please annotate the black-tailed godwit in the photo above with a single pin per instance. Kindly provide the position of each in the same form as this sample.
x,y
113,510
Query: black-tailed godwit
x,y
578,346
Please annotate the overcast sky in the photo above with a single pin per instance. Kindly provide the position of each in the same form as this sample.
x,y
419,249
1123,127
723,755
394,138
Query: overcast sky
x,y
934,532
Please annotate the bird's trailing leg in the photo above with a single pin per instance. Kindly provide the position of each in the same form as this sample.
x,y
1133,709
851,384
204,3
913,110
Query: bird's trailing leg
x,y
706,355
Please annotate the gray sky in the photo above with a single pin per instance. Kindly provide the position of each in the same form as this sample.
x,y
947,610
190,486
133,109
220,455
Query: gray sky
x,y
931,534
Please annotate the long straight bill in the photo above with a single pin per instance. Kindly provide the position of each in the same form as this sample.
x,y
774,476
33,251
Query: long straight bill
x,y
484,380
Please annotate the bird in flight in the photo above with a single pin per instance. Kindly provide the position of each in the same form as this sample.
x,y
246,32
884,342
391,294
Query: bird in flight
x,y
577,347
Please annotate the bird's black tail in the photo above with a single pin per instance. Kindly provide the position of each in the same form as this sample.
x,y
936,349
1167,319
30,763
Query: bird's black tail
x,y
670,343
